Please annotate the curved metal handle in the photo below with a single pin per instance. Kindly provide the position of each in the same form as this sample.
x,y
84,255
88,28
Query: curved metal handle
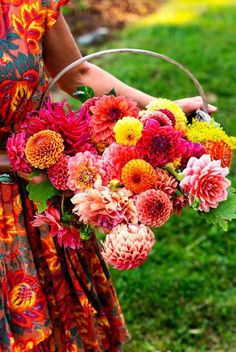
x,y
133,51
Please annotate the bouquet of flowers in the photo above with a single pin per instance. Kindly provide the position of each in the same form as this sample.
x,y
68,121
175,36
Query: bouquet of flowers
x,y
113,167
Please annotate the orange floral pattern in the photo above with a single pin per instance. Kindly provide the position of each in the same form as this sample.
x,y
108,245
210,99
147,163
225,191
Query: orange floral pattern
x,y
51,299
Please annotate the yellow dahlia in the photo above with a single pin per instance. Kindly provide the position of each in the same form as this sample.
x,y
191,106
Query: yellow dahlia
x,y
138,176
219,151
160,103
202,132
44,148
128,130
233,142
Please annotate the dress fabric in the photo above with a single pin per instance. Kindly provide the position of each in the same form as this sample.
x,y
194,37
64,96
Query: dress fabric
x,y
51,298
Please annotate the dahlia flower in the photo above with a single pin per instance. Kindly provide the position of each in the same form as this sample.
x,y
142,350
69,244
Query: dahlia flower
x,y
50,217
58,173
106,112
165,104
73,126
162,118
191,149
206,181
128,246
84,111
104,208
154,208
116,156
160,145
138,176
69,237
202,132
128,131
16,152
44,148
166,182
180,202
219,151
84,170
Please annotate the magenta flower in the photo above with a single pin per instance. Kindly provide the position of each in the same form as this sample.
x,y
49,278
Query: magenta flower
x,y
16,153
50,217
191,149
160,145
205,180
69,237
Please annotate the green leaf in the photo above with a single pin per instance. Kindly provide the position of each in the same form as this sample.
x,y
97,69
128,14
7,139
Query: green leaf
x,y
34,173
112,92
86,232
225,212
40,193
84,93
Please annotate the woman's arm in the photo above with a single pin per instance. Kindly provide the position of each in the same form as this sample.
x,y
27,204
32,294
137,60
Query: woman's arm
x,y
60,50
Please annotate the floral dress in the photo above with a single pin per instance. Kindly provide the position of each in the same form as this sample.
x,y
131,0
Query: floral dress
x,y
51,298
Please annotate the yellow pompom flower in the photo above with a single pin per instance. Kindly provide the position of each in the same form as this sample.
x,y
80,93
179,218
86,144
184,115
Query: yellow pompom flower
x,y
233,142
128,131
202,132
161,103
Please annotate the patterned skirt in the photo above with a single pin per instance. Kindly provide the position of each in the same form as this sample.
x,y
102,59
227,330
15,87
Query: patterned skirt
x,y
51,298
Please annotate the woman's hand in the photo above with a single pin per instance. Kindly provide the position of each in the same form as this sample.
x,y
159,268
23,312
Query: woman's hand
x,y
36,179
189,105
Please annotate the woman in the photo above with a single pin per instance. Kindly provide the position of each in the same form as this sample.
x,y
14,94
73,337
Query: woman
x,y
50,299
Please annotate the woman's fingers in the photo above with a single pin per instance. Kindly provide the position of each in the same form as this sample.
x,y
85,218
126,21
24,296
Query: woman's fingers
x,y
189,105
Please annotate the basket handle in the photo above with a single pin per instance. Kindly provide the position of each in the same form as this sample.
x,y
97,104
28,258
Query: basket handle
x,y
133,51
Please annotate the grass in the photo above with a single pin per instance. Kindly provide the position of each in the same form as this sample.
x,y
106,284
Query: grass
x,y
183,299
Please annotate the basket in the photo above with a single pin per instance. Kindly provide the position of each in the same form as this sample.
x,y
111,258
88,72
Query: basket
x,y
201,115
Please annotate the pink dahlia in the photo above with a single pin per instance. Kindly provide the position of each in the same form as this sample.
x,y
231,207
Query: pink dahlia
x,y
159,145
73,127
154,208
116,156
69,237
191,149
205,180
159,116
16,152
180,202
58,173
128,246
50,217
104,208
166,182
84,111
106,112
84,170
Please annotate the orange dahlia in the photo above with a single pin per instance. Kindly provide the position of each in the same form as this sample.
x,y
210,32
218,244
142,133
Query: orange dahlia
x,y
44,148
219,151
138,176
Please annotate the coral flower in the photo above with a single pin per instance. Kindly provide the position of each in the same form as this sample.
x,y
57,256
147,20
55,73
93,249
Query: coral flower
x,y
16,152
128,246
154,208
128,131
138,176
166,182
165,104
116,156
206,181
104,208
219,151
84,170
58,173
44,148
160,145
106,112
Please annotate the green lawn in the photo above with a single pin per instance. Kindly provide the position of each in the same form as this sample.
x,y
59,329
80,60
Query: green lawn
x,y
183,299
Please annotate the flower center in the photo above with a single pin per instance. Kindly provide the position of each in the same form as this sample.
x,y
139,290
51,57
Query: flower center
x,y
160,143
136,178
114,114
155,207
87,177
